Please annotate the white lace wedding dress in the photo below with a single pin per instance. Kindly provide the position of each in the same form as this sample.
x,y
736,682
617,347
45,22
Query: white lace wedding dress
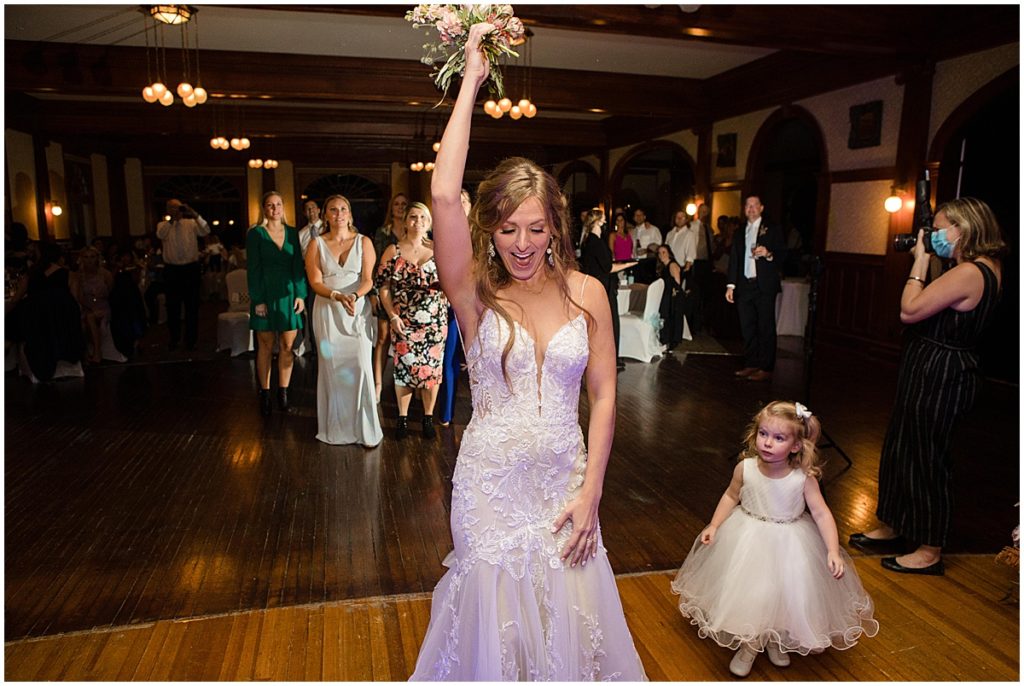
x,y
508,608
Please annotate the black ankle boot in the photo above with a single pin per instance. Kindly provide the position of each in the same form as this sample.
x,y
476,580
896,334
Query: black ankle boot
x,y
282,399
265,407
428,427
402,430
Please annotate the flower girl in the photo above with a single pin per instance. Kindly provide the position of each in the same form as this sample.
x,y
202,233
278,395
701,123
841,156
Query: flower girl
x,y
765,575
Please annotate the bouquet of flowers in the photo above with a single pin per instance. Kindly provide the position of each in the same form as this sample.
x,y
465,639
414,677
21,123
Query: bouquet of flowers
x,y
452,23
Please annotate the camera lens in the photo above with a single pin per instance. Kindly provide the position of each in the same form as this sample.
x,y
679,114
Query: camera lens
x,y
904,242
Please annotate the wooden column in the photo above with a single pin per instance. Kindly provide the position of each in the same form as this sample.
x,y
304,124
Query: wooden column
x,y
702,174
42,187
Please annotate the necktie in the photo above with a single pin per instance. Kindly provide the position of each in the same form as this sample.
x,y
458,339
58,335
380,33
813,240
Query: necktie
x,y
750,270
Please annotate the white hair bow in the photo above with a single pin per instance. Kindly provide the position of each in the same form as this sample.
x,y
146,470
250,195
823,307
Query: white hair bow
x,y
802,412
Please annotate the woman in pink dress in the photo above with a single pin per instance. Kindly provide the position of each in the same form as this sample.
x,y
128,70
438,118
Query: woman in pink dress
x,y
620,240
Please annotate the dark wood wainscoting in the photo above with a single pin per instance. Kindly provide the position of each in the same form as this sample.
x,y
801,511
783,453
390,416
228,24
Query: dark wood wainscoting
x,y
854,309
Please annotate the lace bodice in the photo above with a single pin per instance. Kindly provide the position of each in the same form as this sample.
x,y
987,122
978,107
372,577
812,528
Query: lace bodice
x,y
772,499
523,449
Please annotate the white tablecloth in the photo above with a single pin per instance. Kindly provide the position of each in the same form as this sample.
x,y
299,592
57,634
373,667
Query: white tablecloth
x,y
791,307
636,292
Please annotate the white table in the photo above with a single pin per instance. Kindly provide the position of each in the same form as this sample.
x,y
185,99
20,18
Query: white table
x,y
791,307
634,294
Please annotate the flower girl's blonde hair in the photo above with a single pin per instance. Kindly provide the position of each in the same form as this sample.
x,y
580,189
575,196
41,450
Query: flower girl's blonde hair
x,y
806,428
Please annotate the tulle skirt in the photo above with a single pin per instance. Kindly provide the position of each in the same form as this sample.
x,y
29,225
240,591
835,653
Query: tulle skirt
x,y
764,582
491,623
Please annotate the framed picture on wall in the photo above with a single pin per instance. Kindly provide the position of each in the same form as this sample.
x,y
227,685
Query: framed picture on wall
x,y
865,125
726,150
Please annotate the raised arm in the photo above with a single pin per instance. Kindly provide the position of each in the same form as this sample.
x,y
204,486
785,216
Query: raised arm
x,y
453,248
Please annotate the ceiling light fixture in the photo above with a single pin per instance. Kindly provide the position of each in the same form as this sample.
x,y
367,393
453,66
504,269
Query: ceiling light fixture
x,y
157,90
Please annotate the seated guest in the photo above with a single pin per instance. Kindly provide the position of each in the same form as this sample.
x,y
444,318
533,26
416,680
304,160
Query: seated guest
x,y
675,301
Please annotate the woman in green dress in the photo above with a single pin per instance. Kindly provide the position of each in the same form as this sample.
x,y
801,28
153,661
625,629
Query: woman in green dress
x,y
277,290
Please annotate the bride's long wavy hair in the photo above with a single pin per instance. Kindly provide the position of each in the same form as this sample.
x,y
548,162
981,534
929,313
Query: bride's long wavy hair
x,y
511,183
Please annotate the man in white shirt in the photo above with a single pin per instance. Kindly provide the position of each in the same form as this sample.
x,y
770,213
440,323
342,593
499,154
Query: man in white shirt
x,y
180,241
314,225
304,343
753,283
644,234
678,239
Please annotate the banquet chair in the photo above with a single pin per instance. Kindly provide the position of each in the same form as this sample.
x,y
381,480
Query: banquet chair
x,y
233,326
638,333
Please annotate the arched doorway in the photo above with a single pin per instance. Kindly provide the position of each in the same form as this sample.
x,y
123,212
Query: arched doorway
x,y
785,167
658,177
367,199
979,149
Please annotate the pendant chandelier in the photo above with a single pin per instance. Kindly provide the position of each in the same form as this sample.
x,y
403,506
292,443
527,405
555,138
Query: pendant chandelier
x,y
523,108
157,90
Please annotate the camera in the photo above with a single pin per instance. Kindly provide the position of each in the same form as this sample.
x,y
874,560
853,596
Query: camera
x,y
923,219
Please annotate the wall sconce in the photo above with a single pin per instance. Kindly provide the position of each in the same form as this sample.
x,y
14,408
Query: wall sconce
x,y
691,209
894,203
56,210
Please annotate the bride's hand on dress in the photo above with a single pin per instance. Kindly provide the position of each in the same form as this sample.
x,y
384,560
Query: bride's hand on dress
x,y
583,542
836,565
707,537
477,66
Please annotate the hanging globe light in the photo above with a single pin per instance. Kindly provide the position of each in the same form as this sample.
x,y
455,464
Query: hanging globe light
x,y
531,111
523,104
184,89
224,143
429,166
201,94
490,106
515,112
504,104
166,99
148,95
245,143
158,90
236,144
190,100
436,146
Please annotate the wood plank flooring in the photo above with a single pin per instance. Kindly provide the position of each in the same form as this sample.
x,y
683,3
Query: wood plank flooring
x,y
153,495
953,628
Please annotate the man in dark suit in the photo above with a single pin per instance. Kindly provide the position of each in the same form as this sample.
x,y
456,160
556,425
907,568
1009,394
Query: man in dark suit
x,y
753,283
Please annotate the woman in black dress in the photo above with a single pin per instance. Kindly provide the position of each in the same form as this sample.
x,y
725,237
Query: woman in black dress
x,y
675,301
596,261
938,383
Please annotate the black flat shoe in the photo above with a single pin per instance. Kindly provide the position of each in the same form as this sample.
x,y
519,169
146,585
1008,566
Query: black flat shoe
x,y
402,428
937,569
880,546
265,406
428,428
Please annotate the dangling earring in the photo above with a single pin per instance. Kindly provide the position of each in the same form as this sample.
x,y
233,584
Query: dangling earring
x,y
490,253
551,258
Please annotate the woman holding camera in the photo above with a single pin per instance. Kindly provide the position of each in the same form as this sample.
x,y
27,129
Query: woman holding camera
x,y
938,383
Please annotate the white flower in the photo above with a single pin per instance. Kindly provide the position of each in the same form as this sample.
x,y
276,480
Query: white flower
x,y
408,359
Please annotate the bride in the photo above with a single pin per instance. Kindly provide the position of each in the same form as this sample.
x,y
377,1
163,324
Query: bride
x,y
529,593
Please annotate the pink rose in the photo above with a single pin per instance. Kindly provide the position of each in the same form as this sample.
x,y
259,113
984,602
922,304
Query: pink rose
x,y
424,372
401,348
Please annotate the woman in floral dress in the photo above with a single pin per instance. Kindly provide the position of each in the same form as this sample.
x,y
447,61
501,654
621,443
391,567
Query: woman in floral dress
x,y
417,312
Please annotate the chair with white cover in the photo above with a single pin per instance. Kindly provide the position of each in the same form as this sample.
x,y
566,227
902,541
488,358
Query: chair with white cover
x,y
233,326
638,334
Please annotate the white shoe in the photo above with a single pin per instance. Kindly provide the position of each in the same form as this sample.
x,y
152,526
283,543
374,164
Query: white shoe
x,y
742,662
777,657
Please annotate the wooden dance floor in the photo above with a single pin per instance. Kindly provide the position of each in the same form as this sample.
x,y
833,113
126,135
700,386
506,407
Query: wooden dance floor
x,y
157,528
